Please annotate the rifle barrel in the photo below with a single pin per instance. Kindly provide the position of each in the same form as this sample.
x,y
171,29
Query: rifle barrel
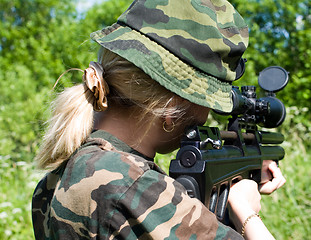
x,y
265,137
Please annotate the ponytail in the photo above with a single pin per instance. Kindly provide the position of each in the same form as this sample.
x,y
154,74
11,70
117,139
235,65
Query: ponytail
x,y
70,125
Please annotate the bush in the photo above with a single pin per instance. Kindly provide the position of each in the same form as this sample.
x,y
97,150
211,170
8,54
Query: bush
x,y
18,180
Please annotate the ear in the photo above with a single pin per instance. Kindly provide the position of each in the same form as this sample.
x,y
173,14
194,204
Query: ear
x,y
169,117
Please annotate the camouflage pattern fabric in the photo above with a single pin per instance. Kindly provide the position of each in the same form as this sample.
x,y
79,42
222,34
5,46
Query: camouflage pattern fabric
x,y
104,193
191,47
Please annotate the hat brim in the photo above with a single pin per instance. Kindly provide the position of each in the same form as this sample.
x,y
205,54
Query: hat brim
x,y
165,68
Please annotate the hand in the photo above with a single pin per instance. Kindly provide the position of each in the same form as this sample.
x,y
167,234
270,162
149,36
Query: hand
x,y
244,201
245,194
271,176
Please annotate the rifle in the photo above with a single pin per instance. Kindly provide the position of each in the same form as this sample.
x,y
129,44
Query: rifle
x,y
209,161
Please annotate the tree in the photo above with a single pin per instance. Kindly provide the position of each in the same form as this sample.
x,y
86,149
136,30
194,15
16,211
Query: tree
x,y
280,34
39,41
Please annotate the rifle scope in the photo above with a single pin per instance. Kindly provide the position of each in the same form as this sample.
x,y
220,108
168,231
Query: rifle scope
x,y
267,111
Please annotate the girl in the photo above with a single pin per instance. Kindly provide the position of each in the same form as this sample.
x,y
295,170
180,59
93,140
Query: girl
x,y
161,68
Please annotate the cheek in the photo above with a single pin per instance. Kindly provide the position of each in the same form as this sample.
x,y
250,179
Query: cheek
x,y
168,147
172,140
201,114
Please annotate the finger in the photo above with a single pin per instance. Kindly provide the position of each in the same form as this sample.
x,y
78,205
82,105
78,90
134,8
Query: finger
x,y
277,174
271,186
266,176
266,163
274,169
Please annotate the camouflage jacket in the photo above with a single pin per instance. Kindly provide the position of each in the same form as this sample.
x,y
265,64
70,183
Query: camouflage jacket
x,y
106,190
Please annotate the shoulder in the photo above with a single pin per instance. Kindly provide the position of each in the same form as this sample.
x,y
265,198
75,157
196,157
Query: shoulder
x,y
98,168
98,156
96,177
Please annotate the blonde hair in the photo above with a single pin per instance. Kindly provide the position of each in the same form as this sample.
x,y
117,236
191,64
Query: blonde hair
x,y
72,111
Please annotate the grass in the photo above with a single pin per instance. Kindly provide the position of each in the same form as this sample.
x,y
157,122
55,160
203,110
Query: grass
x,y
287,212
18,181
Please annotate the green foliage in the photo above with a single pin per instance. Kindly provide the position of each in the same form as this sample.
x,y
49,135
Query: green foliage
x,y
39,40
280,34
101,15
21,113
290,205
17,184
28,67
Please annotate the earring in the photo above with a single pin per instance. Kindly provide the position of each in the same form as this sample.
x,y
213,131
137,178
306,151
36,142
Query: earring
x,y
168,130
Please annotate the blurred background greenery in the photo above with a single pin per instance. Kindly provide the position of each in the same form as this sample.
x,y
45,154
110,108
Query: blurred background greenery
x,y
40,39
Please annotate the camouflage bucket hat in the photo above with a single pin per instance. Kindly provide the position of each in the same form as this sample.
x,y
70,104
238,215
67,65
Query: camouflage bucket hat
x,y
191,47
